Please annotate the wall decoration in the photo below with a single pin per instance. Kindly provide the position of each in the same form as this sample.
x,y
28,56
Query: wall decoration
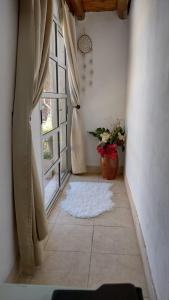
x,y
85,47
84,44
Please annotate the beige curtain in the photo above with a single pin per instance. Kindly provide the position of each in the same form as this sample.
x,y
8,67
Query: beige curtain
x,y
76,140
35,20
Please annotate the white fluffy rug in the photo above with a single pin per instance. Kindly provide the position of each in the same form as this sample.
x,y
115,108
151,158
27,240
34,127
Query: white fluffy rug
x,y
87,199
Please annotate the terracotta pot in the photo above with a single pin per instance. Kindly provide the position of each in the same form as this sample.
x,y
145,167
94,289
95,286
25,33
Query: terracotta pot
x,y
109,167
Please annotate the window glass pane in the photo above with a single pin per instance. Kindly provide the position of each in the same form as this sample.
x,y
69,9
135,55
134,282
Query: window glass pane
x,y
51,184
63,164
63,137
50,151
61,49
53,40
49,114
51,82
54,118
61,80
62,111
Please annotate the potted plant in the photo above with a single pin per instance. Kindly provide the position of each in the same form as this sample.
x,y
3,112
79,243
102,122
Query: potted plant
x,y
109,140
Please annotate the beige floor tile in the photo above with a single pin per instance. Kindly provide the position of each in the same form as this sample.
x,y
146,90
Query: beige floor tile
x,y
65,218
118,180
70,238
118,184
52,218
121,200
23,279
116,240
67,269
90,177
116,217
108,268
50,227
115,252
119,188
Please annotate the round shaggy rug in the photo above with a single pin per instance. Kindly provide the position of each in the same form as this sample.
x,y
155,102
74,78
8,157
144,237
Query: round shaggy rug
x,y
87,199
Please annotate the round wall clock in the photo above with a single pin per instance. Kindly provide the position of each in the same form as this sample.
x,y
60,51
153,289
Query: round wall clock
x,y
84,44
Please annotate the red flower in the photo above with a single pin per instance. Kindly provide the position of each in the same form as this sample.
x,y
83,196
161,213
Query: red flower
x,y
101,150
109,150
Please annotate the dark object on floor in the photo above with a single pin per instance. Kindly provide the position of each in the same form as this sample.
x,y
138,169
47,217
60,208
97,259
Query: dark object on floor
x,y
105,292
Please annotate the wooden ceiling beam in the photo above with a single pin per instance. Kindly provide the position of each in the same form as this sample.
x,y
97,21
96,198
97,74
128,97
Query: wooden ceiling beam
x,y
79,7
122,8
99,5
76,7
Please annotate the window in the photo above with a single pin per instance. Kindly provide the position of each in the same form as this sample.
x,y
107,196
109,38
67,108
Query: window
x,y
54,118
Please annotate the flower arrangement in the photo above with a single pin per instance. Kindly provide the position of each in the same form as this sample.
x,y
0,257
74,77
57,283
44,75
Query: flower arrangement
x,y
110,139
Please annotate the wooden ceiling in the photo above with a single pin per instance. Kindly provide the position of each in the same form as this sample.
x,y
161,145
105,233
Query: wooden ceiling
x,y
79,7
97,5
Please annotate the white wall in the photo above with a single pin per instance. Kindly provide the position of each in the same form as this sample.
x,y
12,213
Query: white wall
x,y
105,99
8,42
147,166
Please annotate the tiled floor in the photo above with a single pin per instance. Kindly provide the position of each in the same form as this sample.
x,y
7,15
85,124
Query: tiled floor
x,y
85,253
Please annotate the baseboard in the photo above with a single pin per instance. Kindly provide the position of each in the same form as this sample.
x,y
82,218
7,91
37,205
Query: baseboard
x,y
143,250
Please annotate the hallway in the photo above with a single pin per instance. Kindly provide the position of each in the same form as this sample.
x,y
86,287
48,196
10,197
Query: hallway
x,y
85,253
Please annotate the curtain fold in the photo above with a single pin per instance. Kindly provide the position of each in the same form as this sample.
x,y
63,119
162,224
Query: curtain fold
x,y
35,21
76,139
